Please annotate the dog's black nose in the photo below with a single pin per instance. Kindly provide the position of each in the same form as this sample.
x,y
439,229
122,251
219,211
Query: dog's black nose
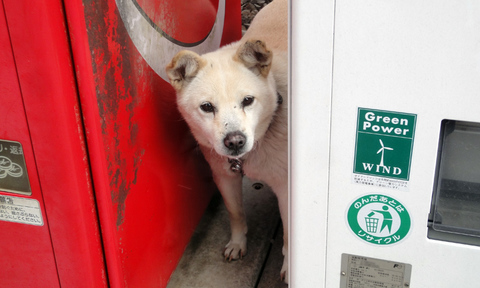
x,y
235,141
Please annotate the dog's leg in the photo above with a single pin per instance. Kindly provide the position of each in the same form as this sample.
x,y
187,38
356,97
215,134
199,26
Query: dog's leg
x,y
230,187
282,196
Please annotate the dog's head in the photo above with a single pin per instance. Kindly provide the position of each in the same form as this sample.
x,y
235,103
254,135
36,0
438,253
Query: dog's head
x,y
227,97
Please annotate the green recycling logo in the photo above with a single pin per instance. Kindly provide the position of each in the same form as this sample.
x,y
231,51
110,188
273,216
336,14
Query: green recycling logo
x,y
379,219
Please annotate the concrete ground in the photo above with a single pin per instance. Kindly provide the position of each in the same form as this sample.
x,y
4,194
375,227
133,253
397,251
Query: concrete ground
x,y
203,265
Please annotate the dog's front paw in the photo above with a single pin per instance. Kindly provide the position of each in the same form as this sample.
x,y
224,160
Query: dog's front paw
x,y
236,249
284,271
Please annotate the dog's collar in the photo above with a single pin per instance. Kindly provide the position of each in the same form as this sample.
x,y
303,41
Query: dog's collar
x,y
279,99
236,165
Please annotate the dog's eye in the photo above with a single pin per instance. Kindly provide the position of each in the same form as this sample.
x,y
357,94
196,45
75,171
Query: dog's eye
x,y
207,107
247,101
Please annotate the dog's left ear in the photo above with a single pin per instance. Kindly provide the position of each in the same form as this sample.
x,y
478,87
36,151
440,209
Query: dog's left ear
x,y
183,67
255,55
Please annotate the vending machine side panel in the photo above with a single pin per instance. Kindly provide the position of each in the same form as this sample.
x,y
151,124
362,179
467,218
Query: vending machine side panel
x,y
401,69
47,82
151,182
311,79
27,254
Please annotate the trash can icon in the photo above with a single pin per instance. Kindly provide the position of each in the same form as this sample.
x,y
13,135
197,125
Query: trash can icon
x,y
372,224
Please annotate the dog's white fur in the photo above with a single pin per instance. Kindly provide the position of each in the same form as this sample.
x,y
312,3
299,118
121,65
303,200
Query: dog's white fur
x,y
214,93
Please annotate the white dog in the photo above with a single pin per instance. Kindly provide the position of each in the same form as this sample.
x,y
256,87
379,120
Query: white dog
x,y
235,102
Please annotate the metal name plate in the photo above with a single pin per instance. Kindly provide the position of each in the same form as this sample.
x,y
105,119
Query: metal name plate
x,y
13,170
20,210
366,272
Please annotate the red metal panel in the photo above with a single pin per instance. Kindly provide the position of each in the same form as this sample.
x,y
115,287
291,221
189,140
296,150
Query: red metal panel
x,y
232,29
27,258
183,17
43,61
151,184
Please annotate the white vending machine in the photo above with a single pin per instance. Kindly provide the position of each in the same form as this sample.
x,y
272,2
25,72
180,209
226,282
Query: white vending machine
x,y
385,144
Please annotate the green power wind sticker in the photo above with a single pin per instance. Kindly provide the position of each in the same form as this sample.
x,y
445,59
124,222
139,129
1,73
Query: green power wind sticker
x,y
379,219
383,148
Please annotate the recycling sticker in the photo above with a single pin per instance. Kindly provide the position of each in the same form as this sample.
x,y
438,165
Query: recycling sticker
x,y
379,219
13,170
383,148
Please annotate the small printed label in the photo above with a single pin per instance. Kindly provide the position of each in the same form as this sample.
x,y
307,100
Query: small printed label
x,y
380,182
13,170
383,148
20,210
379,219
363,272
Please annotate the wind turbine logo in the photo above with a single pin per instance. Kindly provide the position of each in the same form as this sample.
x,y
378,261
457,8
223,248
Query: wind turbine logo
x,y
382,150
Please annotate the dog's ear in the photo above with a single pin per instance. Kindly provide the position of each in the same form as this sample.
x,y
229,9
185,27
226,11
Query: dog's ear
x,y
255,55
183,67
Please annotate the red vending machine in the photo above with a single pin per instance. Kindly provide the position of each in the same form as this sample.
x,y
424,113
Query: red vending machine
x,y
101,183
